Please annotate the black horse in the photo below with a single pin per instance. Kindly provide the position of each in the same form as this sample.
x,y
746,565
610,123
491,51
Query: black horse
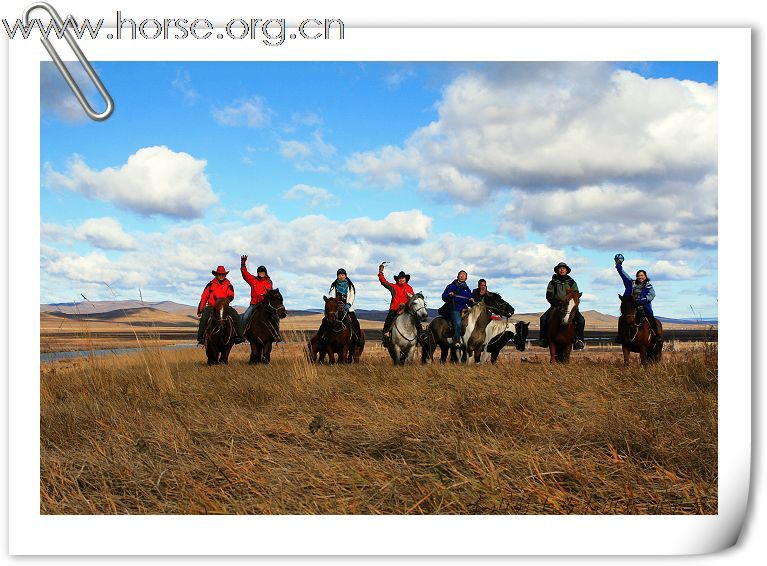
x,y
219,333
264,327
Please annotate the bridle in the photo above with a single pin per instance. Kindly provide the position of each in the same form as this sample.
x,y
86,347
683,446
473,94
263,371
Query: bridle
x,y
218,324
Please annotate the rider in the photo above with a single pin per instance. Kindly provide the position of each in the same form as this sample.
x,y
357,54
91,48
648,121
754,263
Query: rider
x,y
641,289
218,288
343,288
493,300
457,294
399,298
558,287
259,285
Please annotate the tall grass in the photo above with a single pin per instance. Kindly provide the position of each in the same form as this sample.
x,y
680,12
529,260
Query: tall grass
x,y
161,432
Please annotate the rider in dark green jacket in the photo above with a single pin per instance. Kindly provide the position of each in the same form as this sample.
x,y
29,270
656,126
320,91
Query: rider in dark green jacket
x,y
558,287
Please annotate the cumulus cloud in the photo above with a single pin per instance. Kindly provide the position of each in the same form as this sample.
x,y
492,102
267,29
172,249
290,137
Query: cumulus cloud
x,y
621,145
658,270
308,155
668,216
314,196
260,212
105,233
154,180
251,112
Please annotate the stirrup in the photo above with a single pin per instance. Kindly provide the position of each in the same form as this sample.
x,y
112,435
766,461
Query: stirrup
x,y
579,345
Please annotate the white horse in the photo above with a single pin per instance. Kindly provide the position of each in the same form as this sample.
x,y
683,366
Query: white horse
x,y
404,332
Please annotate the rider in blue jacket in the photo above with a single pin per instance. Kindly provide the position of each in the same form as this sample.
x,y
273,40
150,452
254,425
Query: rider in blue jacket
x,y
641,289
456,295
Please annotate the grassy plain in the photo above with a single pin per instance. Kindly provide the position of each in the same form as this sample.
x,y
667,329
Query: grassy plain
x,y
161,432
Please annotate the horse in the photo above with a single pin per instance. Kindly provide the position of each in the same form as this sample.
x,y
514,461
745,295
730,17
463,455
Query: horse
x,y
473,323
498,335
638,337
561,327
404,332
219,333
264,327
338,335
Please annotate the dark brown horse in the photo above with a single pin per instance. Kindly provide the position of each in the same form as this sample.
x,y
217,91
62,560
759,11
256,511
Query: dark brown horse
x,y
561,328
219,333
638,338
337,335
264,327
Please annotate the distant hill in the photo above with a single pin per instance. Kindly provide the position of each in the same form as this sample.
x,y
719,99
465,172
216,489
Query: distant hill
x,y
156,312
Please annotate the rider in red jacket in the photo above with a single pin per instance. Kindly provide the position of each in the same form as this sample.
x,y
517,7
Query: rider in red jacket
x,y
259,285
219,288
399,298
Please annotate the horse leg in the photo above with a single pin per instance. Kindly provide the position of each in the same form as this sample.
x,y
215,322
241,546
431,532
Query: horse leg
x,y
253,359
267,357
643,355
552,352
225,353
626,355
566,353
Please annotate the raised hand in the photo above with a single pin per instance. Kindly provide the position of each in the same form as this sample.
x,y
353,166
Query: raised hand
x,y
243,259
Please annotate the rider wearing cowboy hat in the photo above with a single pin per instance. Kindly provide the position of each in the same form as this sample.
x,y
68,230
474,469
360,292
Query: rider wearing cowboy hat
x,y
642,291
558,287
399,298
259,285
218,288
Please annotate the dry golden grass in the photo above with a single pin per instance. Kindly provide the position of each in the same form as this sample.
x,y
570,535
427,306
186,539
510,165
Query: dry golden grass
x,y
161,432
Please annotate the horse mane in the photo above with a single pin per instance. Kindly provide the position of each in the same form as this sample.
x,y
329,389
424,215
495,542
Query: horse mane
x,y
222,301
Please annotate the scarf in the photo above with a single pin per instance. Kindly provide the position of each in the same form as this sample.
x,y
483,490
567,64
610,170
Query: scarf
x,y
342,287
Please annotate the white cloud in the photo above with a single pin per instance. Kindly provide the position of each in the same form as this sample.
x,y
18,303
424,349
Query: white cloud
x,y
409,226
260,212
308,155
183,84
105,233
668,216
395,79
154,180
314,196
636,152
251,112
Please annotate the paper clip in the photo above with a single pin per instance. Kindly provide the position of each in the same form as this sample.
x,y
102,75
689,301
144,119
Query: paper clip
x,y
83,61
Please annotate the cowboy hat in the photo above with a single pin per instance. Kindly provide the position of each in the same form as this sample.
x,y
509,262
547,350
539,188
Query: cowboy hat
x,y
220,270
562,264
403,274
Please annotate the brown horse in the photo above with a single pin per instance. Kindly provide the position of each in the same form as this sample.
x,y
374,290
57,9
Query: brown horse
x,y
264,327
219,333
336,337
561,328
638,338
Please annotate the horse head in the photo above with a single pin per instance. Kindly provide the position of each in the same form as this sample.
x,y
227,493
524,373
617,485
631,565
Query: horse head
x,y
219,317
628,307
331,309
274,301
569,305
520,335
416,305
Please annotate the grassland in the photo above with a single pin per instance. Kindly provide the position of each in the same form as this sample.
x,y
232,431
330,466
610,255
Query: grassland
x,y
161,432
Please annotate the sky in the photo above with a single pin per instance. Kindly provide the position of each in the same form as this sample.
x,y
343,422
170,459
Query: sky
x,y
500,169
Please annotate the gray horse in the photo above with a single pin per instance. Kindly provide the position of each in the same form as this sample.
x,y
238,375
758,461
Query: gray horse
x,y
404,331
473,323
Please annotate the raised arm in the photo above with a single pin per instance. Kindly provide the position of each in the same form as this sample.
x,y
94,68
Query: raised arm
x,y
628,283
246,275
382,280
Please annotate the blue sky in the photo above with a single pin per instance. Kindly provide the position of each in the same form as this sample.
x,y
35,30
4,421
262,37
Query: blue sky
x,y
502,169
